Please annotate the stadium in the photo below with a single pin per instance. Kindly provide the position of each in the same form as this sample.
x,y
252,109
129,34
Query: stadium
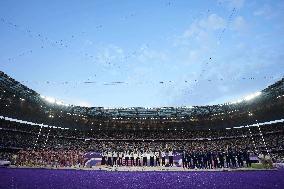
x,y
198,131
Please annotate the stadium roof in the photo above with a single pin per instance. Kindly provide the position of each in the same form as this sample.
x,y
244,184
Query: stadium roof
x,y
9,84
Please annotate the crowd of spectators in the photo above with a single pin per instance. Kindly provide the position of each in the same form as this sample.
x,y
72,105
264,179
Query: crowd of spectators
x,y
65,147
50,157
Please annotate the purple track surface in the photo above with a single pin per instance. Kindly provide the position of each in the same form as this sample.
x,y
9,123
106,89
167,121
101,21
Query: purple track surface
x,y
48,179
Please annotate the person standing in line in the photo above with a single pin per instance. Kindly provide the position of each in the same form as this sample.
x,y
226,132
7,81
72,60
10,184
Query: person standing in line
x,y
126,159
138,155
205,159
142,156
184,159
240,159
151,158
114,158
163,154
171,158
194,159
109,158
246,156
157,156
215,159
199,159
132,158
103,162
209,159
120,156
135,155
231,157
221,159
145,158
228,164
188,159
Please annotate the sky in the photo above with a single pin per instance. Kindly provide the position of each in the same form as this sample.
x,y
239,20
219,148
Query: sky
x,y
131,53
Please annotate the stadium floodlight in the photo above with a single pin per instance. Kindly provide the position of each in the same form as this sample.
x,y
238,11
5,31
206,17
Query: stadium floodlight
x,y
53,100
50,100
59,102
249,97
237,101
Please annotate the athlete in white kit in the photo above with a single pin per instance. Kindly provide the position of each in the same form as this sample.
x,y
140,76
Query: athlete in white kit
x,y
144,158
109,158
138,162
126,157
114,158
135,155
104,158
120,156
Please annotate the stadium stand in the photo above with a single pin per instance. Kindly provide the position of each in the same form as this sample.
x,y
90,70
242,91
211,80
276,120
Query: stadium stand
x,y
38,131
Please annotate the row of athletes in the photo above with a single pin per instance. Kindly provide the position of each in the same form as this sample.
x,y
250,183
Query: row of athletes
x,y
230,158
195,159
137,158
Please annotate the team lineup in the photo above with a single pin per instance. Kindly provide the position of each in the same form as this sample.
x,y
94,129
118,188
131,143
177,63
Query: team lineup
x,y
189,159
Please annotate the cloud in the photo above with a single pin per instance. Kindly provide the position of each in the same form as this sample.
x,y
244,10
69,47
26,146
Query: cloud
x,y
265,11
239,24
198,42
151,55
201,32
110,54
212,23
232,62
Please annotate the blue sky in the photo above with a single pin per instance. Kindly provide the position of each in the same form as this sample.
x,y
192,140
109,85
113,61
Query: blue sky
x,y
143,53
